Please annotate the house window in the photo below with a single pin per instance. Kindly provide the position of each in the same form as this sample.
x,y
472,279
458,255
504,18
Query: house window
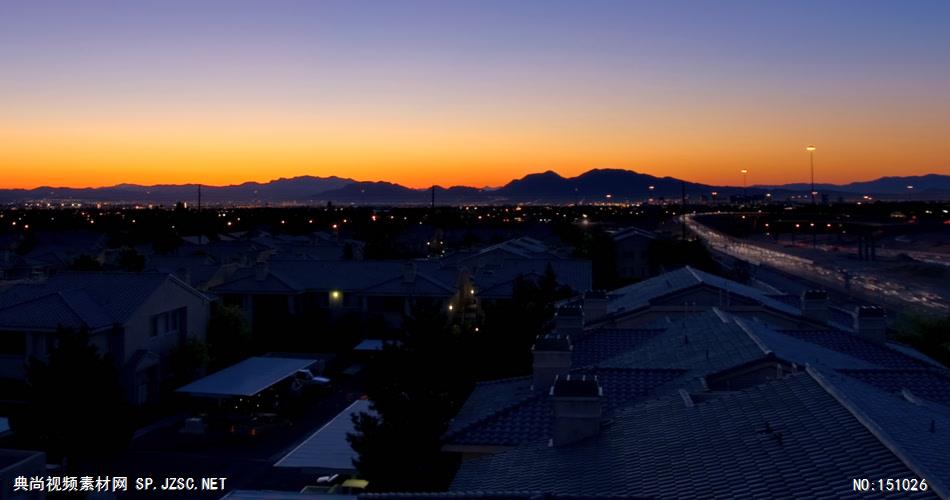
x,y
173,322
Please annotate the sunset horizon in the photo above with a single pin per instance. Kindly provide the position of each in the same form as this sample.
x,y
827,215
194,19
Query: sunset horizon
x,y
422,93
500,184
483,249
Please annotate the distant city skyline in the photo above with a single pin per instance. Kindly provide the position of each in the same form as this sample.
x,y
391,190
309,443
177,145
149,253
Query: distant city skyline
x,y
423,92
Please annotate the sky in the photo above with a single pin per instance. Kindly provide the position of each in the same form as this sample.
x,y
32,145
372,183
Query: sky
x,y
472,92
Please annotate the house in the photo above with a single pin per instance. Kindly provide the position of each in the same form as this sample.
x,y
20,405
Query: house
x,y
688,290
136,318
283,287
631,252
44,253
391,289
669,389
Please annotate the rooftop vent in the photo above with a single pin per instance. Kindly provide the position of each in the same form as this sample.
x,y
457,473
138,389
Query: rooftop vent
x,y
577,409
552,357
814,305
569,320
870,322
595,305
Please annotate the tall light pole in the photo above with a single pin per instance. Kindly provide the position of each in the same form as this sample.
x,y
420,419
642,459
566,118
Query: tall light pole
x,y
811,158
745,173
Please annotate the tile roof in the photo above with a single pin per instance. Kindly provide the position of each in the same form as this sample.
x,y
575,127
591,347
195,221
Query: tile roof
x,y
784,438
857,347
595,346
631,231
80,299
421,285
639,295
916,431
498,281
631,365
509,413
489,397
705,342
799,350
299,276
930,384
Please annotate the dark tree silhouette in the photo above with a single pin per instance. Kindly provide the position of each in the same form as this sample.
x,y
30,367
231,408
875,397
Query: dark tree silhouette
x,y
415,388
229,335
75,406
85,263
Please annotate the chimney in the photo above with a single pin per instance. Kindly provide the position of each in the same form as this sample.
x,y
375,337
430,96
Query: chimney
x,y
595,305
870,322
815,305
569,320
552,357
260,271
577,409
409,272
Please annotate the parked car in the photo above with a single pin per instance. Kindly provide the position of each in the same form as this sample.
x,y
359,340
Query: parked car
x,y
305,381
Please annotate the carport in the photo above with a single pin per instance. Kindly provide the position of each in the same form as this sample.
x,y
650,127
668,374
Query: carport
x,y
247,378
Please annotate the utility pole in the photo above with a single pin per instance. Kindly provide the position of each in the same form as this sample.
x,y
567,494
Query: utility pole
x,y
811,159
683,208
199,215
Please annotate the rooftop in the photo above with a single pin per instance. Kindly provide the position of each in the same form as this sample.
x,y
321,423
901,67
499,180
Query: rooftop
x,y
327,448
247,377
763,438
81,299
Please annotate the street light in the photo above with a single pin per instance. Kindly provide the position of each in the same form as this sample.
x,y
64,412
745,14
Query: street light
x,y
811,158
745,173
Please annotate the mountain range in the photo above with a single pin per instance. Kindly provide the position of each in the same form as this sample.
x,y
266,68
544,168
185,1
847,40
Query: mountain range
x,y
598,185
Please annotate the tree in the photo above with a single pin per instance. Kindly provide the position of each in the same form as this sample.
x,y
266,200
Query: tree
x,y
928,334
187,362
75,405
85,263
415,388
131,260
511,327
229,335
668,254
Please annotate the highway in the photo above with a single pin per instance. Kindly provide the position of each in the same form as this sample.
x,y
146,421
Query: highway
x,y
861,285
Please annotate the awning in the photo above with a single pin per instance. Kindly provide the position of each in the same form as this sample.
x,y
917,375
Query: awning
x,y
247,378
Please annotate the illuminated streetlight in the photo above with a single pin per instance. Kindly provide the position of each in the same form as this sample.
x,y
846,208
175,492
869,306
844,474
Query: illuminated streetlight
x,y
745,174
811,158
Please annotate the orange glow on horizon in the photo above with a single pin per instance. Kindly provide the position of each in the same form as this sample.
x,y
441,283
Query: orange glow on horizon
x,y
216,148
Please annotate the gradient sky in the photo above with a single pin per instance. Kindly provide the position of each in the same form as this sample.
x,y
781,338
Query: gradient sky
x,y
470,92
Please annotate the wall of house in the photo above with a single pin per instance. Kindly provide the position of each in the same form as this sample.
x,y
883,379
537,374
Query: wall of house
x,y
631,257
168,297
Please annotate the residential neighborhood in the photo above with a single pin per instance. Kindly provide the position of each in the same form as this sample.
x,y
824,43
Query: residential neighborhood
x,y
474,250
284,356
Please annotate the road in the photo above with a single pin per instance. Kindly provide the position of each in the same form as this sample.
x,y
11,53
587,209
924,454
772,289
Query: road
x,y
848,281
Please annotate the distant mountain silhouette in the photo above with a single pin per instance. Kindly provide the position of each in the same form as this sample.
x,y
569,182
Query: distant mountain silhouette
x,y
596,185
885,185
296,189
